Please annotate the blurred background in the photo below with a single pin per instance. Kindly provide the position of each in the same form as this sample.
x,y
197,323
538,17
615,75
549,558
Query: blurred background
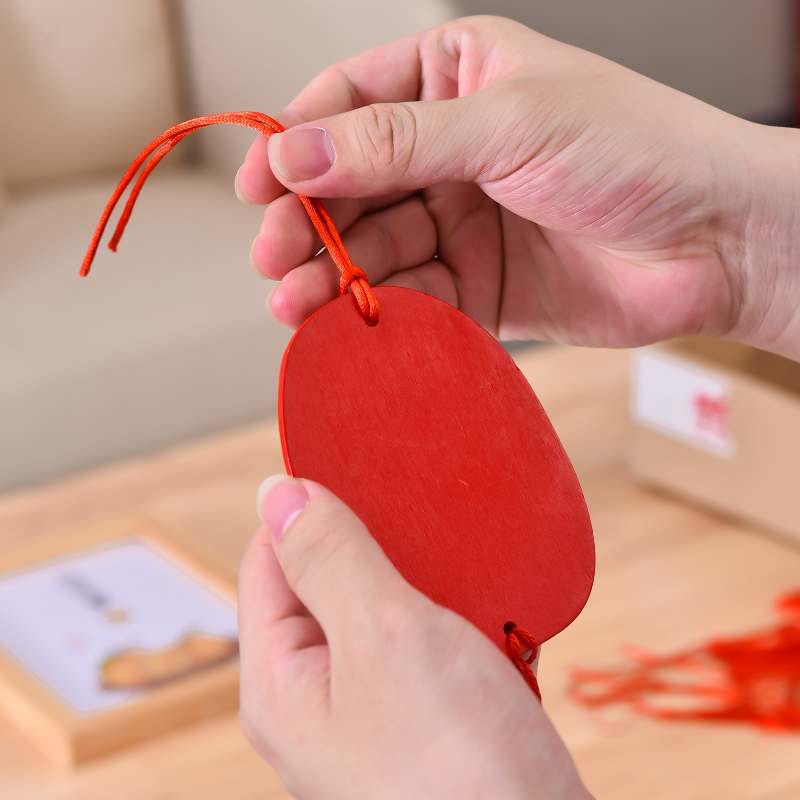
x,y
169,338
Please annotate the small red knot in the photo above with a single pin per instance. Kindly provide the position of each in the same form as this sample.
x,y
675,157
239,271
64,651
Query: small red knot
x,y
514,638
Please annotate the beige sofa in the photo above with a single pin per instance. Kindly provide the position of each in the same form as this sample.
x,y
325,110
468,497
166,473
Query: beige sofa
x,y
169,338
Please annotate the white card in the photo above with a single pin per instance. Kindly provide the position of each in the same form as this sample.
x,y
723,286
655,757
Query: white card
x,y
677,398
67,620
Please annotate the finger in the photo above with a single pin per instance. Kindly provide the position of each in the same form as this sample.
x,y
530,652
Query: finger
x,y
390,147
329,559
303,291
288,239
266,602
426,66
433,278
254,182
284,654
446,62
433,108
394,239
381,244
391,72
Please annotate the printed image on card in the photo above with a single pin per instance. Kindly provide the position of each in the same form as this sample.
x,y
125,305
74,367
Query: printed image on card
x,y
103,625
679,399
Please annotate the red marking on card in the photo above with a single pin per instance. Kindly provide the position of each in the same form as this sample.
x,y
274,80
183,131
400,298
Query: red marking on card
x,y
711,414
426,428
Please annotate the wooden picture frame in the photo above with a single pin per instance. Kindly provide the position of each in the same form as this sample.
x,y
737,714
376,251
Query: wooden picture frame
x,y
68,738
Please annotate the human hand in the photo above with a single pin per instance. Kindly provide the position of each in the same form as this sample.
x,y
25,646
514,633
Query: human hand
x,y
546,192
355,685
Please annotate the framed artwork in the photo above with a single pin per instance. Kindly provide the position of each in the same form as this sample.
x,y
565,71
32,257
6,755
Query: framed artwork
x,y
112,638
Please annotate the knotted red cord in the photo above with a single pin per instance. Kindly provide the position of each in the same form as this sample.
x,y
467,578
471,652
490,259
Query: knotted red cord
x,y
514,638
352,277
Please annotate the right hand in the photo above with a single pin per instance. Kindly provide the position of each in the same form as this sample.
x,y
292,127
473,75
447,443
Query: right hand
x,y
546,192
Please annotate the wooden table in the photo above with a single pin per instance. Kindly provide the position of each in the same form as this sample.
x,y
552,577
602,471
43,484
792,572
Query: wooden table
x,y
668,576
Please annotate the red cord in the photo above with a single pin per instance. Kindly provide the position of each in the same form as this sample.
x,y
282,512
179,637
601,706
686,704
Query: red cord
x,y
515,636
752,679
352,277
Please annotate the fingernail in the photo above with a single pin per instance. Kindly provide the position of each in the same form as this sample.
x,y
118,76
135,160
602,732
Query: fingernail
x,y
243,198
279,501
270,309
299,155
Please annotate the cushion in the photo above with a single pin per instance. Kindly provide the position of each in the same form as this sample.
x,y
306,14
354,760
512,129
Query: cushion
x,y
165,340
84,85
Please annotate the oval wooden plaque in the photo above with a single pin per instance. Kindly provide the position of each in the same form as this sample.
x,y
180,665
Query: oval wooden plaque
x,y
426,428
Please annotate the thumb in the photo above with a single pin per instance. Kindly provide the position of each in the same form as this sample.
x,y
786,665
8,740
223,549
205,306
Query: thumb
x,y
330,561
387,147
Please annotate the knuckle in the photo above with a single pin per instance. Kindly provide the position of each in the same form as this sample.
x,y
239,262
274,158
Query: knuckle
x,y
249,730
316,542
387,136
398,617
290,781
256,738
403,615
415,630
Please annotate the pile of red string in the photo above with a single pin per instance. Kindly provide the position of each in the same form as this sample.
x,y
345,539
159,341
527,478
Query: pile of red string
x,y
752,679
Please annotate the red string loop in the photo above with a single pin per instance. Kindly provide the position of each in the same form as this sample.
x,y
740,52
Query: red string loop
x,y
514,638
350,274
352,277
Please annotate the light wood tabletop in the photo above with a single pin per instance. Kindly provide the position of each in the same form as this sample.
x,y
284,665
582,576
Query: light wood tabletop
x,y
668,577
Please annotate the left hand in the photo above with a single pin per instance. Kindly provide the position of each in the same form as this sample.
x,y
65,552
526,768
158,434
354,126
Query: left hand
x,y
355,685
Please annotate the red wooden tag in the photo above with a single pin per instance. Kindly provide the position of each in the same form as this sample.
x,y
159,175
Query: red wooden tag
x,y
425,427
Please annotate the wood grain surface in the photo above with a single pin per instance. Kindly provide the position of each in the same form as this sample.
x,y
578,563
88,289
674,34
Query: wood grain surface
x,y
668,576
